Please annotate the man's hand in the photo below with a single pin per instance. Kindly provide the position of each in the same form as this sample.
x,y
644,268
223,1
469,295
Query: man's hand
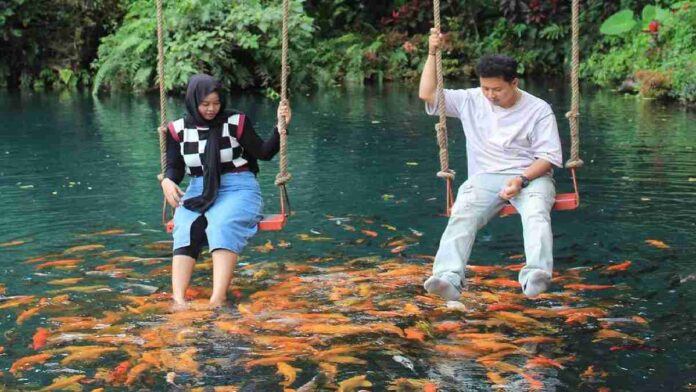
x,y
172,192
512,188
434,41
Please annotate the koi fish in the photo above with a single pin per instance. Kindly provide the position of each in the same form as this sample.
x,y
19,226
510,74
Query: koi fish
x,y
657,244
12,243
59,263
288,372
62,383
40,338
353,383
541,361
27,362
82,248
592,287
620,267
414,334
11,302
369,233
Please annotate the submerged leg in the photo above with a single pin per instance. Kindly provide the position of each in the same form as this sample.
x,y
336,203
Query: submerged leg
x,y
477,202
182,268
534,204
224,262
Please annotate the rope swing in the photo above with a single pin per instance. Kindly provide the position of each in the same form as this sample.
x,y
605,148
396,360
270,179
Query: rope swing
x,y
277,222
270,222
441,127
564,201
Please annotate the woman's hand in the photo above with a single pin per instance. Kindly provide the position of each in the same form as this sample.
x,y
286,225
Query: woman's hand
x,y
162,129
285,112
172,192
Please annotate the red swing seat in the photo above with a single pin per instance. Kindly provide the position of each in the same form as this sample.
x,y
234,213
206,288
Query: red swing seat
x,y
274,222
564,201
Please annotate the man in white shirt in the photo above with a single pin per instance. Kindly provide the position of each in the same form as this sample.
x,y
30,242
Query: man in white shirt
x,y
512,145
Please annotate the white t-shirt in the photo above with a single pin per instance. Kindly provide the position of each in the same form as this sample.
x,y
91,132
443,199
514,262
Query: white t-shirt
x,y
500,140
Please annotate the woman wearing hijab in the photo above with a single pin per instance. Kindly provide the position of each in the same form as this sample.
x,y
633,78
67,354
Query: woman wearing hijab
x,y
221,207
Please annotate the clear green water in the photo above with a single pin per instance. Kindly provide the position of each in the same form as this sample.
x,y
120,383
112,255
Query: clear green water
x,y
70,165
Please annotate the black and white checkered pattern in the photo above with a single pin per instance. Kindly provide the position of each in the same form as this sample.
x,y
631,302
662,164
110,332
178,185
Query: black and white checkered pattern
x,y
193,147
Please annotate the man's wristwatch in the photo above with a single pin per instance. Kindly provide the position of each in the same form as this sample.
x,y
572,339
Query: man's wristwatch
x,y
525,181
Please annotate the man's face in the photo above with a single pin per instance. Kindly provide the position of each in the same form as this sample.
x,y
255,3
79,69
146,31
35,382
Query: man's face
x,y
499,92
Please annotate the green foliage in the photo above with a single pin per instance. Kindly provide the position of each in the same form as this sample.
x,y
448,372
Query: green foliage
x,y
333,41
619,23
239,42
667,55
39,38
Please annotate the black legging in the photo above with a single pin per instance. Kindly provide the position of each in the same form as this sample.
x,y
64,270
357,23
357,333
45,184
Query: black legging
x,y
198,239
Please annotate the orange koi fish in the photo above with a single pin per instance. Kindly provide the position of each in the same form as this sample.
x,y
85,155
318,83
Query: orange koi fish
x,y
269,361
541,361
415,334
40,338
65,282
579,286
82,248
17,301
27,362
657,243
501,282
496,379
135,373
63,382
59,263
537,340
620,267
369,233
12,243
604,334
504,306
483,269
353,383
288,372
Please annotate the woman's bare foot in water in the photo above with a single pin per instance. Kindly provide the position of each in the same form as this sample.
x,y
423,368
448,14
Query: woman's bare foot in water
x,y
180,305
216,303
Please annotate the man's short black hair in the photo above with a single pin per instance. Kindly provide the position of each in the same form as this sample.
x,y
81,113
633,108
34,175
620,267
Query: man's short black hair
x,y
497,66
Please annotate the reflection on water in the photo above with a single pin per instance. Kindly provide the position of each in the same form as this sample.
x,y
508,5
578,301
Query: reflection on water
x,y
362,160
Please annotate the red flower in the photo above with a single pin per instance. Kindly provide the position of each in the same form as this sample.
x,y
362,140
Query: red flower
x,y
409,47
654,26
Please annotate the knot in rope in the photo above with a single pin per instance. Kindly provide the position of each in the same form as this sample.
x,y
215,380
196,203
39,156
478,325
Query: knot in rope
x,y
282,179
449,173
574,163
572,114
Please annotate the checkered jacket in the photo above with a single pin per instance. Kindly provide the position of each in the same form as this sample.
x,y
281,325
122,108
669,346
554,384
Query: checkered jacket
x,y
192,143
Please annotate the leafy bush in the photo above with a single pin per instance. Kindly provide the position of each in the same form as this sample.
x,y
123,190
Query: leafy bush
x,y
657,50
239,42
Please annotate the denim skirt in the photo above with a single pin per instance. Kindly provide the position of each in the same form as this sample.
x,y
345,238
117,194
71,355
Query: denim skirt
x,y
232,219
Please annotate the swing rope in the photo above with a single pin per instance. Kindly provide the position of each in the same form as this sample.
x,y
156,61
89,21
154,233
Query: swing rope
x,y
441,127
572,115
283,175
160,75
163,103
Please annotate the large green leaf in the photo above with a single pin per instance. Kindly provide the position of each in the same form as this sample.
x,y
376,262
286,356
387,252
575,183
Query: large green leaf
x,y
648,15
619,23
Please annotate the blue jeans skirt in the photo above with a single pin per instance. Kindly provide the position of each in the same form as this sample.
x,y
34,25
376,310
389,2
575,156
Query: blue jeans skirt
x,y
231,220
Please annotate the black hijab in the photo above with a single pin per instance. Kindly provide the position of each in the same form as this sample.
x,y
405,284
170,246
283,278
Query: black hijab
x,y
199,87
